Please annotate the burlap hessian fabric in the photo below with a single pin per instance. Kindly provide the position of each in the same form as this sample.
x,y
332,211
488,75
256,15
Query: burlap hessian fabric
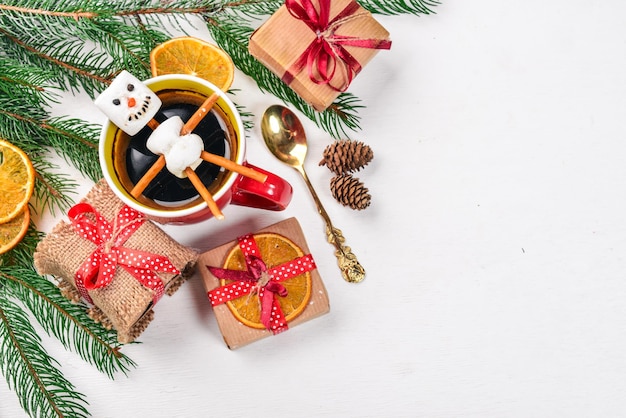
x,y
125,304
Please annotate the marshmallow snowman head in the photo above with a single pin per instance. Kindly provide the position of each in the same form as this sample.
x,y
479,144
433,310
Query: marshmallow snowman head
x,y
128,103
179,151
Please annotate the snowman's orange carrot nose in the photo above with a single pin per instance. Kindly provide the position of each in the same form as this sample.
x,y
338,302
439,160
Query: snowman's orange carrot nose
x,y
131,102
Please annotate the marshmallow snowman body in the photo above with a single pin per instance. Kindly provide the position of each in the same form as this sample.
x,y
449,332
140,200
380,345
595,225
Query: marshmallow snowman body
x,y
180,151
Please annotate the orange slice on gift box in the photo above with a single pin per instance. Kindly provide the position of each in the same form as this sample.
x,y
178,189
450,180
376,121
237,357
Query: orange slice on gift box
x,y
275,250
13,231
193,56
17,181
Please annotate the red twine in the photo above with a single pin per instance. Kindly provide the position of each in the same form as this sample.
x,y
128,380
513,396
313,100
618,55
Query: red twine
x,y
322,55
98,270
258,278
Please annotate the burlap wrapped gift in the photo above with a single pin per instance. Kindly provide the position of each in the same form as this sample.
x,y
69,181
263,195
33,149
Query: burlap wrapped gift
x,y
122,302
318,46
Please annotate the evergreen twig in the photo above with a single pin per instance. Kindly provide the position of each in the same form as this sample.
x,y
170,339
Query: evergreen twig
x,y
42,389
68,322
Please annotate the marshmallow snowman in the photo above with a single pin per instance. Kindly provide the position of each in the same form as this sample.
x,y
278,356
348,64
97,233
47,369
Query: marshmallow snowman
x,y
180,151
128,103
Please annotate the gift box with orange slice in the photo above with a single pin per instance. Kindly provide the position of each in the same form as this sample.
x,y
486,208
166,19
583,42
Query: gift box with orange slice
x,y
262,284
318,46
115,260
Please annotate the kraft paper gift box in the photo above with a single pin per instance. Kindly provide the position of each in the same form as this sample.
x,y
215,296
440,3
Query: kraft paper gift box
x,y
349,37
237,333
115,259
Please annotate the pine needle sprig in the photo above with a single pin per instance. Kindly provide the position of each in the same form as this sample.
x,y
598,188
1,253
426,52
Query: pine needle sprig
x,y
386,7
126,44
253,8
76,141
71,66
22,254
29,128
66,321
28,82
53,189
42,389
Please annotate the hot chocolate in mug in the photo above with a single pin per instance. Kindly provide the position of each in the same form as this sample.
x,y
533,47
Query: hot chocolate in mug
x,y
169,198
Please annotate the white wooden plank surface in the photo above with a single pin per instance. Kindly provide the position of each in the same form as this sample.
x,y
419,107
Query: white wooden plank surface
x,y
495,244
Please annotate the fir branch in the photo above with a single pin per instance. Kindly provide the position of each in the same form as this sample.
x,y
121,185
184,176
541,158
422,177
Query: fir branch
x,y
28,82
52,189
77,142
253,8
74,140
72,67
29,370
22,254
127,45
66,321
397,7
74,14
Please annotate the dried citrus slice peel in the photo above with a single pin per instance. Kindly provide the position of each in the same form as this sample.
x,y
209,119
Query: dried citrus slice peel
x,y
193,56
17,181
12,232
275,249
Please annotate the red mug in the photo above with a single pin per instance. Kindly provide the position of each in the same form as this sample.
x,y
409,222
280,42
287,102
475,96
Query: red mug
x,y
229,187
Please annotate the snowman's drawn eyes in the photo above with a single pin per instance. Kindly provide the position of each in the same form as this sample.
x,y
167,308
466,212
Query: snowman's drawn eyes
x,y
130,87
116,102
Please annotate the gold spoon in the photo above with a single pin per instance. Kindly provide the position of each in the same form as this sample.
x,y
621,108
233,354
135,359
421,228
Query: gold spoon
x,y
284,136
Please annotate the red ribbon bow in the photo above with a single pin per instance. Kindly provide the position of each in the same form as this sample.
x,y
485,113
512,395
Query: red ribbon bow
x,y
321,56
259,278
98,270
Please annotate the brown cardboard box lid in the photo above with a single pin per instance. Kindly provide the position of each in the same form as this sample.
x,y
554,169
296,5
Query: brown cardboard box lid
x,y
282,39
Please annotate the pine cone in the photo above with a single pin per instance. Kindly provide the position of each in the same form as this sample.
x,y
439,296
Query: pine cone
x,y
349,191
346,156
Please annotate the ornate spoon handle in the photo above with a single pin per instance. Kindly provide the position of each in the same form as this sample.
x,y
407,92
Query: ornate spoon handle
x,y
351,269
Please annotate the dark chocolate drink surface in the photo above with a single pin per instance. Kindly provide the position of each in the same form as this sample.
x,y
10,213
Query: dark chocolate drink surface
x,y
166,187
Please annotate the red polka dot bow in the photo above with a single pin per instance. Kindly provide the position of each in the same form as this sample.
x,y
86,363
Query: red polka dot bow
x,y
259,278
98,270
327,53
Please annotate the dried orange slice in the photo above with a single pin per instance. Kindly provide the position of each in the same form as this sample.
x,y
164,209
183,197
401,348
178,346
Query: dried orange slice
x,y
275,249
193,56
17,181
12,232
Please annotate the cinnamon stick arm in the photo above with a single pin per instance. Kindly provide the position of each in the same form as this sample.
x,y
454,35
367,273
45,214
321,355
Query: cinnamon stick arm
x,y
233,166
199,114
148,177
191,124
197,183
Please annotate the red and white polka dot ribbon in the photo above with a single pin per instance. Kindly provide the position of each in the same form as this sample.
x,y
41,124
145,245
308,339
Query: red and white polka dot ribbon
x,y
259,277
98,270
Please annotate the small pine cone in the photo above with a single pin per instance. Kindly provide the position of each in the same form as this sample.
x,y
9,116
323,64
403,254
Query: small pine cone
x,y
346,156
349,191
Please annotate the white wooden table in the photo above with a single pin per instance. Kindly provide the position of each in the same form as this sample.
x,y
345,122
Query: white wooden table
x,y
495,244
